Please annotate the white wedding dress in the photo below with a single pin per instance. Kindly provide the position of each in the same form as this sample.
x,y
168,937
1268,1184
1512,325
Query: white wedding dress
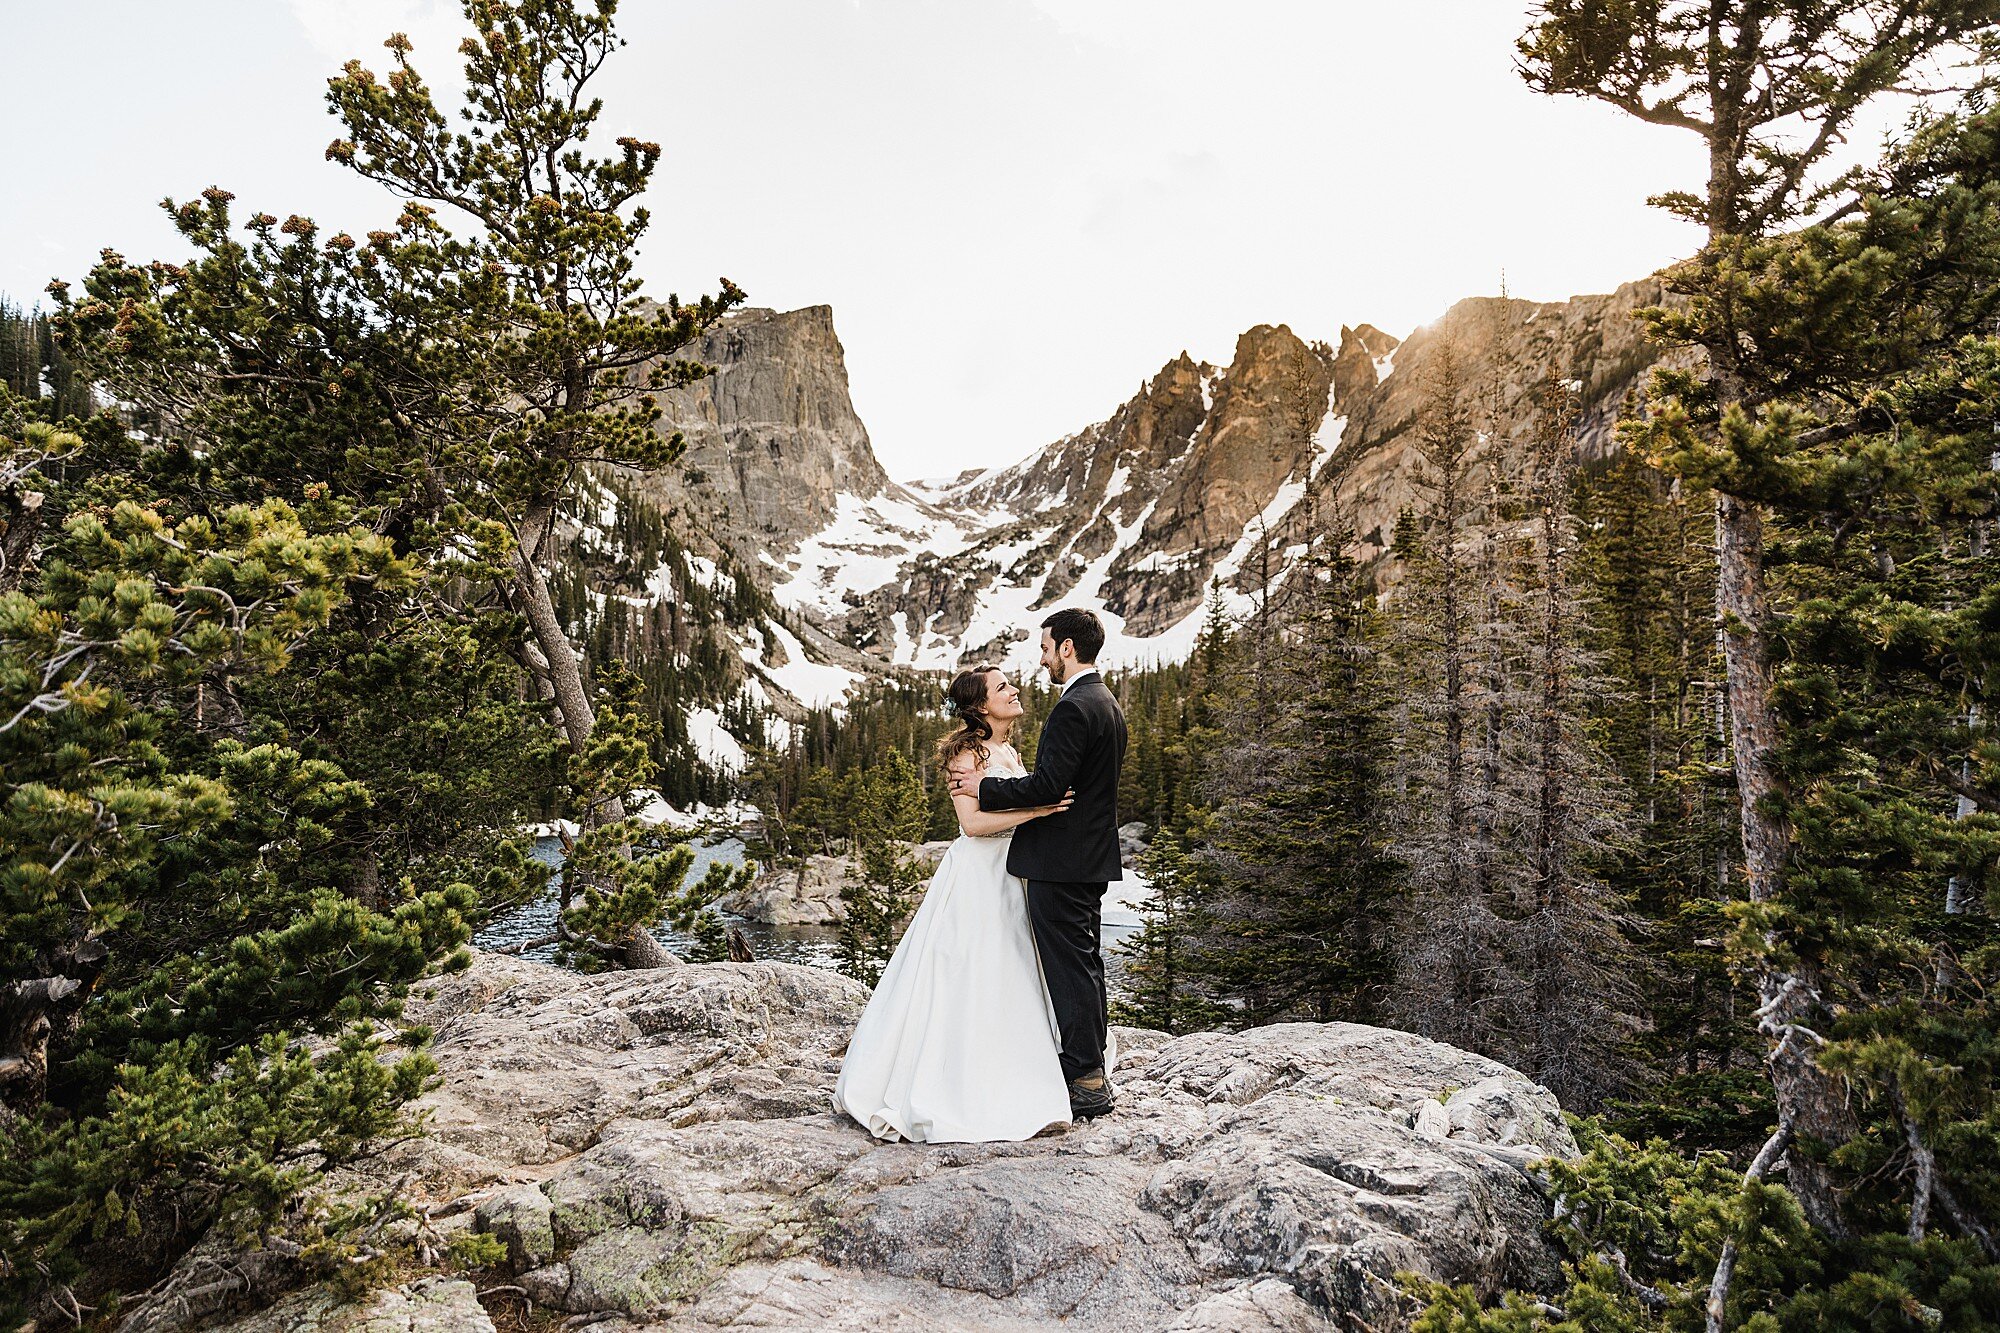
x,y
959,1043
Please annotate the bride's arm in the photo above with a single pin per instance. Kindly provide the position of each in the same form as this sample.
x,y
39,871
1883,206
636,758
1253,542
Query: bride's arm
x,y
980,823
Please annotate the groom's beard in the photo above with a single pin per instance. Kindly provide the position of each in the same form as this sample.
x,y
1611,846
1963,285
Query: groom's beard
x,y
1056,673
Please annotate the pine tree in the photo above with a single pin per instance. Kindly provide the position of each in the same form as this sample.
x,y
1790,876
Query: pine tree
x,y
1574,806
280,667
608,894
1851,483
20,352
1304,887
1162,978
141,1101
1648,565
889,812
1771,90
561,363
507,362
1453,975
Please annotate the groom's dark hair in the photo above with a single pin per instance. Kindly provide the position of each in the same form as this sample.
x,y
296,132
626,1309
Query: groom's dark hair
x,y
1081,628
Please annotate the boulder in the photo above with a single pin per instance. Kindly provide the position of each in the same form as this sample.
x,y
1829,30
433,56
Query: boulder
x,y
807,893
1132,841
659,1149
535,1061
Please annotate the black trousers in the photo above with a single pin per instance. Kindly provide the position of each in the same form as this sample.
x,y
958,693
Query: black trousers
x,y
1067,919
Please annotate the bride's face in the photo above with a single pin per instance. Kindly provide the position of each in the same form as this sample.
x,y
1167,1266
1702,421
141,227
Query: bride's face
x,y
1003,701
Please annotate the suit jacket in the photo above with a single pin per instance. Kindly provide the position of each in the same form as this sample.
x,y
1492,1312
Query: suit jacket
x,y
1082,748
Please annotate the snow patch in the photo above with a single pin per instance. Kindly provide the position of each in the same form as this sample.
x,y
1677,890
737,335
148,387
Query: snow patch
x,y
716,747
814,684
649,807
709,574
861,550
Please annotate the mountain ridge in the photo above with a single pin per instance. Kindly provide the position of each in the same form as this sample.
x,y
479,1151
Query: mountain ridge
x,y
1207,476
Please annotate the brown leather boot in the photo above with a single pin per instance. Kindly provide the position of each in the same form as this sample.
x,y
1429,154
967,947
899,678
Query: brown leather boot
x,y
1090,1095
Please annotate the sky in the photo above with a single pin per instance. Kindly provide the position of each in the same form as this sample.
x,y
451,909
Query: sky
x,y
1019,210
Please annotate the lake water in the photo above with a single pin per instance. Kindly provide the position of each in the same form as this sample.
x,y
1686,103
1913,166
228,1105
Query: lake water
x,y
815,946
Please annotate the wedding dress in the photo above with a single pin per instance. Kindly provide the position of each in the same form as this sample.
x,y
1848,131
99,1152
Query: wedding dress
x,y
959,1043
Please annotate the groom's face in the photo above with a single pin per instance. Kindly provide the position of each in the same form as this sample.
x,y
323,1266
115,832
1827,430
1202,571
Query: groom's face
x,y
1052,659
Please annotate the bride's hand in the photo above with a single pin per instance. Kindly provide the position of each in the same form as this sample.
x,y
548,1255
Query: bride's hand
x,y
1068,799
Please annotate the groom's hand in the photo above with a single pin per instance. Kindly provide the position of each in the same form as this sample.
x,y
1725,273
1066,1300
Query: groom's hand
x,y
967,784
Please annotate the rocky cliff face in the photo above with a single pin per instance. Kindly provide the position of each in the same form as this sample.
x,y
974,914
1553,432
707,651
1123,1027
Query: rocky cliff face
x,y
1261,440
773,440
1131,516
1505,351
657,1149
778,486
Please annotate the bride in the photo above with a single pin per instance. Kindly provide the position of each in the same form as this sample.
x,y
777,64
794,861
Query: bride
x,y
959,1044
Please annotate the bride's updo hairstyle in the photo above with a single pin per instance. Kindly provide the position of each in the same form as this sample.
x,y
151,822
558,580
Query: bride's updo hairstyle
x,y
966,700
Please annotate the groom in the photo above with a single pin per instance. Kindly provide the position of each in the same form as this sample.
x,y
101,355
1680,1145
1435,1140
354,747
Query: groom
x,y
1069,859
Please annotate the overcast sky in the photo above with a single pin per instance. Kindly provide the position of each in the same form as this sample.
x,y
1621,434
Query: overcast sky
x,y
1018,209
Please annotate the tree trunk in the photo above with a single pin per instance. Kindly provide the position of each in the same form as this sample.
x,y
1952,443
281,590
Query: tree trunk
x,y
38,1012
24,1037
1550,809
571,698
565,674
1494,723
1810,1100
640,949
18,530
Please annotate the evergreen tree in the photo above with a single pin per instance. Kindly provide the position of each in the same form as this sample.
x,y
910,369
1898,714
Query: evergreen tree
x,y
1167,968
608,893
150,1084
1163,983
1304,888
1771,90
1574,806
1843,417
889,813
560,360
20,352
458,388
1648,564
1454,979
34,367
277,640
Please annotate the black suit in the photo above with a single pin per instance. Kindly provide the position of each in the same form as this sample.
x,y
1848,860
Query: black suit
x,y
1069,859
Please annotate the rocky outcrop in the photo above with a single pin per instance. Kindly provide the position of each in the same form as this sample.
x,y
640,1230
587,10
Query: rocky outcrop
x,y
430,1305
1148,434
807,892
772,436
1504,351
1139,513
804,894
1135,513
657,1149
1258,435
1047,520
1366,355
